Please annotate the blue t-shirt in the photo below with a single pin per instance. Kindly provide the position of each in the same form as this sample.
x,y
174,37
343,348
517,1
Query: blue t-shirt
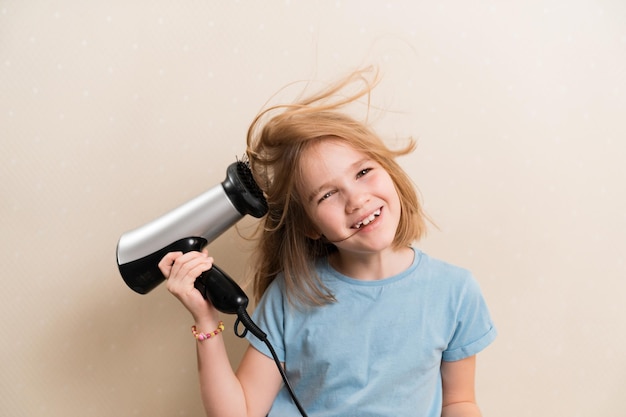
x,y
377,350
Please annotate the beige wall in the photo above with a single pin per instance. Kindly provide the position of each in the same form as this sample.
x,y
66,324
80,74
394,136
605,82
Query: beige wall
x,y
113,112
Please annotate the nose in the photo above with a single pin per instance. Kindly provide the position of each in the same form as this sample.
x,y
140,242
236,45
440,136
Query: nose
x,y
355,199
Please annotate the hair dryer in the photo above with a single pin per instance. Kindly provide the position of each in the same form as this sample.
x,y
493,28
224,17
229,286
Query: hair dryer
x,y
190,227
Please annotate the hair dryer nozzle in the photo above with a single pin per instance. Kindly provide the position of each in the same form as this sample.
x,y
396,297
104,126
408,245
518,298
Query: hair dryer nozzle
x,y
243,191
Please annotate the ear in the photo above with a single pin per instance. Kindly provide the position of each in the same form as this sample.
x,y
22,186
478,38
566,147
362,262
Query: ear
x,y
311,231
313,234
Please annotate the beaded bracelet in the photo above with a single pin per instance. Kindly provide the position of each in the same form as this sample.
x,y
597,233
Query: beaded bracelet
x,y
204,336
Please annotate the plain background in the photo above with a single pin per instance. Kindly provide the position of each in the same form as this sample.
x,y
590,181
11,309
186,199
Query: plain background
x,y
113,112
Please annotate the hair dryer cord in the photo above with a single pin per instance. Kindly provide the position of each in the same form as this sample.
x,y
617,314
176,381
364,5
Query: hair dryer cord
x,y
249,325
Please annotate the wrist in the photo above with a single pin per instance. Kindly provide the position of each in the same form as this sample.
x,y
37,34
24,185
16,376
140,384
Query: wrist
x,y
201,335
206,322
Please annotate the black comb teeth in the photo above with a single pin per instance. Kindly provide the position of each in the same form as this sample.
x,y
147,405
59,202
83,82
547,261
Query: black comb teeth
x,y
243,191
245,176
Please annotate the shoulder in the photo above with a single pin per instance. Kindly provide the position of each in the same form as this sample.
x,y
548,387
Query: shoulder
x,y
447,281
442,271
275,291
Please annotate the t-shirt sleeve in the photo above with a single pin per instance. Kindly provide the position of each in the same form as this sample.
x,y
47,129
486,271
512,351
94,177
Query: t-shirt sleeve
x,y
474,329
269,316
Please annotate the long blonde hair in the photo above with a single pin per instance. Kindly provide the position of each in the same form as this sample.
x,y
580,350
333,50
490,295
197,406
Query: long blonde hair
x,y
275,144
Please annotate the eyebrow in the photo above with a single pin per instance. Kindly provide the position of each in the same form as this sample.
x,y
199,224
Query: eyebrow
x,y
325,185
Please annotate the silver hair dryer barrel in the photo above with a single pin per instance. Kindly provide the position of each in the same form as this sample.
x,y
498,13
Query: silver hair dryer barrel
x,y
188,227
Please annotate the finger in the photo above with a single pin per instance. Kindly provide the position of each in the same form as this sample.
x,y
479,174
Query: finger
x,y
182,280
190,266
197,267
165,264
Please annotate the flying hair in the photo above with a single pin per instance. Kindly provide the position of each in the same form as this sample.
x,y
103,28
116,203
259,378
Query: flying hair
x,y
276,139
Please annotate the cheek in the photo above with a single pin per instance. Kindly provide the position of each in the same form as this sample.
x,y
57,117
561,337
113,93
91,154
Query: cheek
x,y
393,196
385,185
324,216
391,185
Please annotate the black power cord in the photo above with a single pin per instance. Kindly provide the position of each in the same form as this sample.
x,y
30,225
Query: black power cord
x,y
249,325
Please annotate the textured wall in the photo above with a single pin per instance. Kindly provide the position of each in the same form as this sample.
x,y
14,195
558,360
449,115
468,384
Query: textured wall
x,y
113,112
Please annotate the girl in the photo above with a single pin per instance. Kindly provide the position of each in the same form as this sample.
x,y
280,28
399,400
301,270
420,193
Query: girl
x,y
363,323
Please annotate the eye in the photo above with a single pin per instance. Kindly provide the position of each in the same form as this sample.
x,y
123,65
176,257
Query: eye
x,y
325,196
363,172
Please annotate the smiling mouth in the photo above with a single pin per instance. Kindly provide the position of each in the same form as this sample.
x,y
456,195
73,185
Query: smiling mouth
x,y
369,219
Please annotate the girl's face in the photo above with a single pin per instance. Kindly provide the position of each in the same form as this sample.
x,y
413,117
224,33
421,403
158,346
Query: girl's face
x,y
351,199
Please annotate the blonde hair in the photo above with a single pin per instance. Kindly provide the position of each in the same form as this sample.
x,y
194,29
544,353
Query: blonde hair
x,y
274,150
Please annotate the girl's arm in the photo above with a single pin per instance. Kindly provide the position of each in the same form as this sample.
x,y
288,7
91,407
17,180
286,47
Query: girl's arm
x,y
459,399
251,391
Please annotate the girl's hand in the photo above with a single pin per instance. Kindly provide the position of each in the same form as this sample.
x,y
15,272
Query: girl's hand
x,y
181,271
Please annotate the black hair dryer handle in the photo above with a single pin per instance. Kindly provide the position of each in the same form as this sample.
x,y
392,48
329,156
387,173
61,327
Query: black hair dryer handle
x,y
215,285
222,291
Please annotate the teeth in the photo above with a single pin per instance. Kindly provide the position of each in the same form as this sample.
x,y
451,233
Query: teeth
x,y
367,220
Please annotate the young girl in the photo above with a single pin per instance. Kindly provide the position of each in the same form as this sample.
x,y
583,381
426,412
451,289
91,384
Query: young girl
x,y
363,323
